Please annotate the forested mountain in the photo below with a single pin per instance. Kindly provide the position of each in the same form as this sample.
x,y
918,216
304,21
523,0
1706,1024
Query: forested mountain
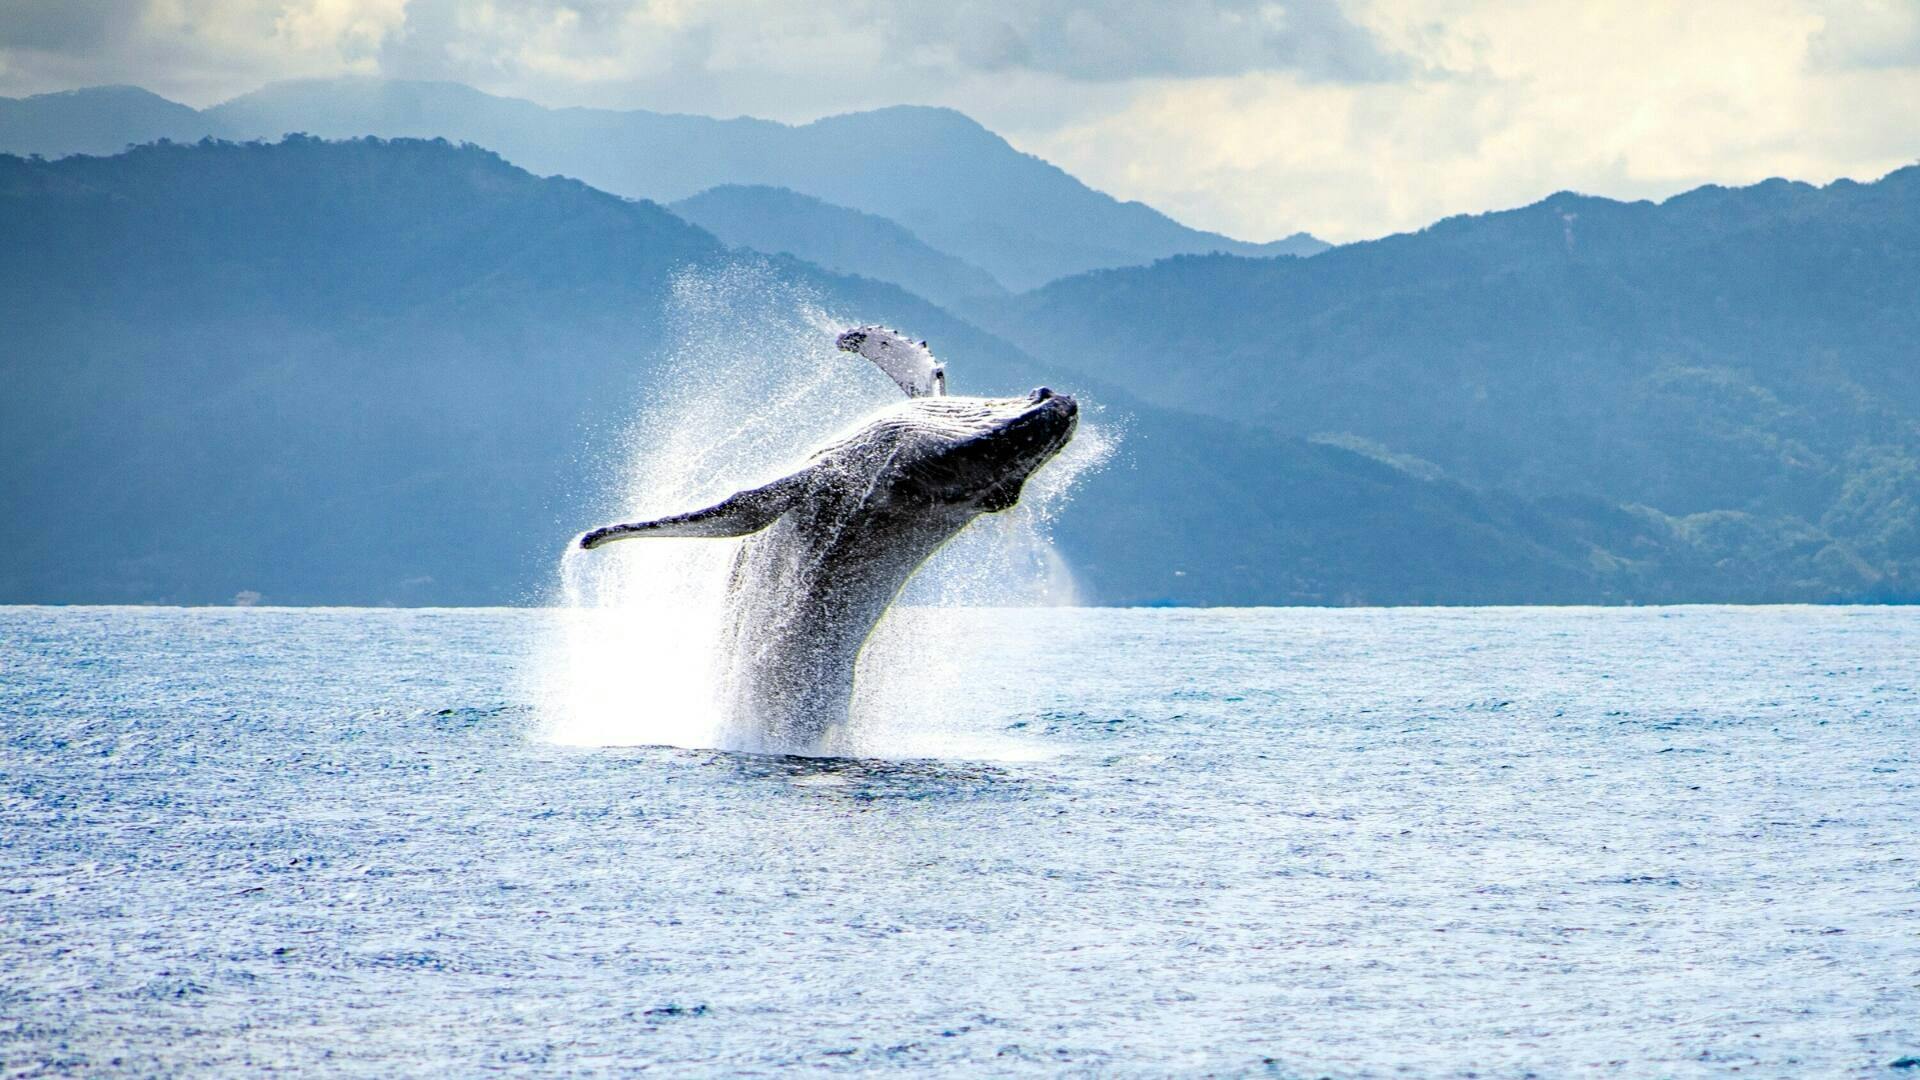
x,y
778,221
371,372
1743,364
333,371
957,186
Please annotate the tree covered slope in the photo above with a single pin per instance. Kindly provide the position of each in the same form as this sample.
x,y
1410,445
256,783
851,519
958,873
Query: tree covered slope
x,y
1742,363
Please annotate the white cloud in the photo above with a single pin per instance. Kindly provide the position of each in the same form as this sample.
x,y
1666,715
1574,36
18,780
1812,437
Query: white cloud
x,y
193,50
814,53
1868,34
1109,42
1514,101
352,28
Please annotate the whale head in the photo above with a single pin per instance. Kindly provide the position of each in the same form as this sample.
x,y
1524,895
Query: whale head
x,y
967,452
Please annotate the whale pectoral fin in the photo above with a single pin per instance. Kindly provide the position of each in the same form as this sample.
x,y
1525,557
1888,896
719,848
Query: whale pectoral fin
x,y
910,364
737,515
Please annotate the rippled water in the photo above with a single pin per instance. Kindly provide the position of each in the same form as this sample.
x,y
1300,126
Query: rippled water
x,y
1354,843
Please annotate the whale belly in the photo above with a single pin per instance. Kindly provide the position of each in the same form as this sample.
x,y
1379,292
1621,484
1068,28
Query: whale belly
x,y
804,597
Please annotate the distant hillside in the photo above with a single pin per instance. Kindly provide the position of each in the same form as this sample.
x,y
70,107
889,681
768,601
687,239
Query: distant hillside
x,y
957,186
374,372
330,370
1742,362
775,220
97,120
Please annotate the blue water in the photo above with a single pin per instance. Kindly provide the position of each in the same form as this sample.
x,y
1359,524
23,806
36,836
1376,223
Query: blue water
x,y
1352,843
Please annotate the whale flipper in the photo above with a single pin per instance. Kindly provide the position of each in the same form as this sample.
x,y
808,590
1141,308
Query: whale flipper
x,y
909,363
738,514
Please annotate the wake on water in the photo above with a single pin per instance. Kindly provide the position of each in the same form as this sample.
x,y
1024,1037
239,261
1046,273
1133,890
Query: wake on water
x,y
751,385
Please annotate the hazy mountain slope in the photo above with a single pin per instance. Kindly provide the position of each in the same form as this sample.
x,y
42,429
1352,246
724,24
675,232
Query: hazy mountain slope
x,y
96,120
1744,353
328,371
368,372
775,220
954,184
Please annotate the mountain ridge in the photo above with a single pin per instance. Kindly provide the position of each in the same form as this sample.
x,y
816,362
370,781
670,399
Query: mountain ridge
x,y
837,238
956,185
1725,351
369,371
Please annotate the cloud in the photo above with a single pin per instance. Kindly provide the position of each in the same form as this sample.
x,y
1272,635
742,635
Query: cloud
x,y
1510,102
195,50
581,41
1109,42
60,25
827,52
875,39
1868,34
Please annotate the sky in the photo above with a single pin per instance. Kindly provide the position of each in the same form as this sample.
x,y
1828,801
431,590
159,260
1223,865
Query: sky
x,y
1346,118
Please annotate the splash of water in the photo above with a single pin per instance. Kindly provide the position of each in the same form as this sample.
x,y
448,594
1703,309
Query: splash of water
x,y
751,386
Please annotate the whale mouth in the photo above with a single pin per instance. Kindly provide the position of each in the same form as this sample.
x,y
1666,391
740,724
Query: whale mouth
x,y
1063,405
1047,399
1044,426
1025,443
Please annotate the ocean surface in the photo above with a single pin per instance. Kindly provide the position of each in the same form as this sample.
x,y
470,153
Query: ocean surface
x,y
1469,842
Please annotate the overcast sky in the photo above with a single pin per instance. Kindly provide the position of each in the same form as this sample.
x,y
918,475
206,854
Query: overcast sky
x,y
1348,119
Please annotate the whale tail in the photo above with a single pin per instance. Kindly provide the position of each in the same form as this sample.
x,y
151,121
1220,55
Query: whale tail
x,y
909,363
738,514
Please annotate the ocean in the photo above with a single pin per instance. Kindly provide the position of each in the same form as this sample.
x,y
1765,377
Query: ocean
x,y
1286,842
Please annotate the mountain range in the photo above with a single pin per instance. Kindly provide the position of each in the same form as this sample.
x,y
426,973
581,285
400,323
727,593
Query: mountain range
x,y
284,367
371,371
1739,362
956,186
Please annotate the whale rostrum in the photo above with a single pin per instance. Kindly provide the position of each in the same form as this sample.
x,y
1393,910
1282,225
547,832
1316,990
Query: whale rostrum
x,y
829,547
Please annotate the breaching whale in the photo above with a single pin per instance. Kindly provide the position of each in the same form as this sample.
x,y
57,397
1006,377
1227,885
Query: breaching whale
x,y
829,547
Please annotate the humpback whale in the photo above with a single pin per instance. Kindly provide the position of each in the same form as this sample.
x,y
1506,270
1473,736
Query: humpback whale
x,y
829,547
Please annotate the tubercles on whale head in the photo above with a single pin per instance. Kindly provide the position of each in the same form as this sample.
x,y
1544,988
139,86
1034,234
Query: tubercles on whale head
x,y
974,451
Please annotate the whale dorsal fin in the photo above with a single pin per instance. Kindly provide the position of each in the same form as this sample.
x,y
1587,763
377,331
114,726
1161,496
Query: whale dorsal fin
x,y
738,514
909,363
